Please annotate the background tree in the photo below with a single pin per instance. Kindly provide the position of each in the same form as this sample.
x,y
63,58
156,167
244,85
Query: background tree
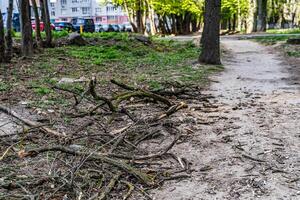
x,y
27,44
46,21
211,34
261,15
2,41
8,37
38,36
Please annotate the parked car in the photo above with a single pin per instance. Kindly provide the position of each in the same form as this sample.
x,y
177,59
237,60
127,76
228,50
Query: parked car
x,y
128,27
87,24
115,27
42,26
122,27
97,27
59,26
108,28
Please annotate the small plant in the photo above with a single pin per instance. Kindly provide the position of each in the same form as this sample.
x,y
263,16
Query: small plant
x,y
4,86
42,90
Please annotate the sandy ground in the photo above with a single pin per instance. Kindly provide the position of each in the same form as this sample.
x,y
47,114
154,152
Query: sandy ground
x,y
252,149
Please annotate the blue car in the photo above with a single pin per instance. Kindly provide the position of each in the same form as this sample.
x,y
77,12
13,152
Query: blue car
x,y
88,25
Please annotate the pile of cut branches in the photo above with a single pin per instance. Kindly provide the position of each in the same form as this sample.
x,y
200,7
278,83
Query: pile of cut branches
x,y
118,147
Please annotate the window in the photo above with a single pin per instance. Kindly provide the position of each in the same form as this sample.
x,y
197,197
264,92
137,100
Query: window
x,y
74,10
98,10
52,4
85,1
110,9
98,19
63,2
85,10
52,13
111,17
75,1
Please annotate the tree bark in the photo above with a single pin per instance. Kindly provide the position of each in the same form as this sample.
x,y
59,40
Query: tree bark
x,y
2,41
38,36
211,34
46,21
27,44
8,37
261,15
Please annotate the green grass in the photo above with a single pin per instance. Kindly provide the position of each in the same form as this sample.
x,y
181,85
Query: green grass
x,y
112,56
4,86
270,40
284,31
289,50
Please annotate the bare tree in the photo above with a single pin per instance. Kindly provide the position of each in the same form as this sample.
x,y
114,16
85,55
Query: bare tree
x,y
8,37
2,41
211,34
46,20
38,36
27,44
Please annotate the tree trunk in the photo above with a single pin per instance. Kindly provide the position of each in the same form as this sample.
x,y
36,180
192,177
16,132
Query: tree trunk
x,y
8,37
38,36
165,24
139,17
47,24
27,45
261,15
250,21
151,17
2,41
211,35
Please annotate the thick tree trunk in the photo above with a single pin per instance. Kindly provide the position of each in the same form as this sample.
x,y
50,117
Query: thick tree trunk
x,y
38,36
2,41
211,35
8,37
47,23
261,15
27,45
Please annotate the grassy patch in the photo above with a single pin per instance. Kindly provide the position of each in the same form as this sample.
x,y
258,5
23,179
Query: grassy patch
x,y
284,31
4,86
270,40
288,50
112,56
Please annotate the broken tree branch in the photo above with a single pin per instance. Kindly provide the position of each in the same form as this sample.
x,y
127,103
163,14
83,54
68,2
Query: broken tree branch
x,y
30,123
93,156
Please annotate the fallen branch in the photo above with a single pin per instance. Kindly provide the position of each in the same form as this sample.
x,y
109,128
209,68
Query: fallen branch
x,y
138,92
30,123
93,156
110,186
92,90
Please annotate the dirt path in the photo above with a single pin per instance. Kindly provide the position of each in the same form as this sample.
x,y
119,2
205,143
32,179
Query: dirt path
x,y
252,149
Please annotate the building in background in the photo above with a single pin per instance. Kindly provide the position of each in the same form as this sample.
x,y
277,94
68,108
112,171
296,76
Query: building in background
x,y
65,10
102,13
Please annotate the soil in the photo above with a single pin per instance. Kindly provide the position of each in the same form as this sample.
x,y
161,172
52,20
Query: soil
x,y
244,142
251,148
